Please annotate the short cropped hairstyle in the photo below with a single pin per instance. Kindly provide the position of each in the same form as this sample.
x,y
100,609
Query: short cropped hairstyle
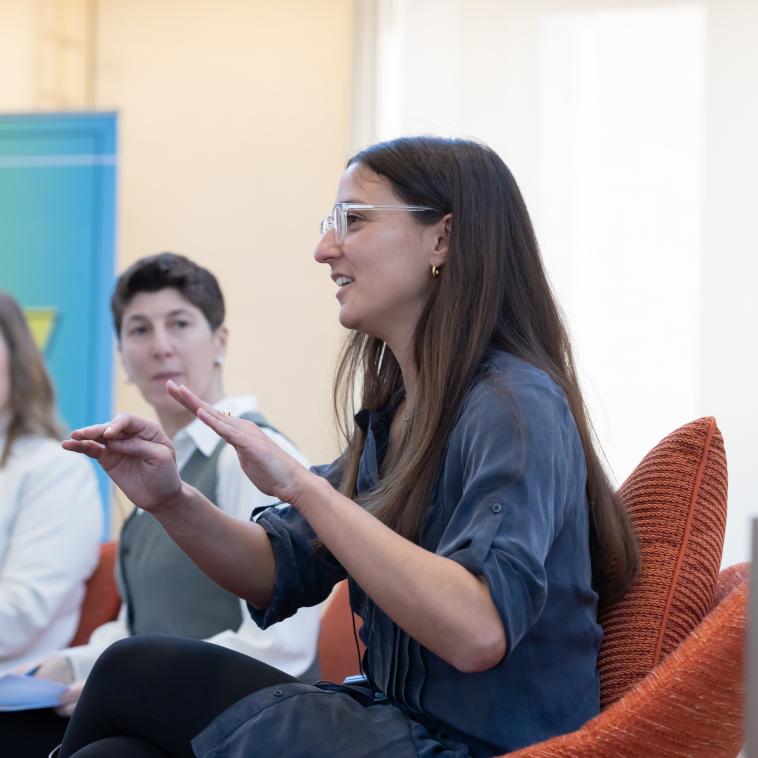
x,y
156,272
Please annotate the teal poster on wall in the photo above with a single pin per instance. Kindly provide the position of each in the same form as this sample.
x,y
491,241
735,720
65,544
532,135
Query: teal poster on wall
x,y
57,248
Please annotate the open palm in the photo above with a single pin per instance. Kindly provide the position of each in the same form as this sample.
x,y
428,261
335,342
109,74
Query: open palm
x,y
268,467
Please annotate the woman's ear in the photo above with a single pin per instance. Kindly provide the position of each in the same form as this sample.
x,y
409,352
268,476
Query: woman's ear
x,y
124,364
443,230
220,339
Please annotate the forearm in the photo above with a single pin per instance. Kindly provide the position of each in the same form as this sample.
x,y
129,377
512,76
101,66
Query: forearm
x,y
434,599
237,555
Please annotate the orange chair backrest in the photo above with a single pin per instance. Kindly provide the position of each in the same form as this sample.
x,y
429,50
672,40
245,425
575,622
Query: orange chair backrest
x,y
101,600
676,499
337,655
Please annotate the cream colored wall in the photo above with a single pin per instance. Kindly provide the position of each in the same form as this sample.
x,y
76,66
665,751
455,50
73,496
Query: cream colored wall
x,y
47,54
18,42
233,129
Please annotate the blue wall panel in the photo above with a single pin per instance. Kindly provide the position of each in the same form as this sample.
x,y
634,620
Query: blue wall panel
x,y
57,232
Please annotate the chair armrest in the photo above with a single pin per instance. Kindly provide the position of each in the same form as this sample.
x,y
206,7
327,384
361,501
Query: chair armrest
x,y
101,600
691,704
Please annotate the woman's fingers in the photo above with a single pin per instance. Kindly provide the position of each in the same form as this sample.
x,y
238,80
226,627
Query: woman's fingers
x,y
236,431
124,434
122,426
87,447
193,403
135,446
117,426
233,430
139,447
94,432
187,397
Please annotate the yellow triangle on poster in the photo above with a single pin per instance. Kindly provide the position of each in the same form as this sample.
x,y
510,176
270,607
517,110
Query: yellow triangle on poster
x,y
41,323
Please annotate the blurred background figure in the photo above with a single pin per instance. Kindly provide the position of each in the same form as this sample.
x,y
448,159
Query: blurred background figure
x,y
50,510
168,314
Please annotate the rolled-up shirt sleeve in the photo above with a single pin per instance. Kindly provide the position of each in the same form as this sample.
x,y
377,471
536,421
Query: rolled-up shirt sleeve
x,y
305,571
511,452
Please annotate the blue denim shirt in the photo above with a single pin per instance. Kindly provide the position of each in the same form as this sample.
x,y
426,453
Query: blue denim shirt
x,y
510,505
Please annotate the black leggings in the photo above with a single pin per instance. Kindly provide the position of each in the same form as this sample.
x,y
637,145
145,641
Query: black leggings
x,y
150,695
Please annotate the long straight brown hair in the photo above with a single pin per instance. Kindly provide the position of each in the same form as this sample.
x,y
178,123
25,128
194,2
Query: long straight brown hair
x,y
492,292
32,398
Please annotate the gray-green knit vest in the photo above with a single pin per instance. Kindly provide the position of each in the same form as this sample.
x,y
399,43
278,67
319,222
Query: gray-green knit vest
x,y
164,590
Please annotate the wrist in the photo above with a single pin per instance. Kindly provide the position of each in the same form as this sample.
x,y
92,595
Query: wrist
x,y
173,505
310,489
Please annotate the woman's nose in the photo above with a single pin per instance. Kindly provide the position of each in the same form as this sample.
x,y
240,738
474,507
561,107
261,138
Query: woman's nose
x,y
162,344
327,249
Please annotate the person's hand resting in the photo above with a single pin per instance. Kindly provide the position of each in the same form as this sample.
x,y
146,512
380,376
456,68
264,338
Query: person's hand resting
x,y
136,455
57,668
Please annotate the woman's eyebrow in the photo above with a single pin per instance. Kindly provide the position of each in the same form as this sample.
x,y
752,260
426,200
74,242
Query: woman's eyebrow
x,y
178,312
352,202
136,317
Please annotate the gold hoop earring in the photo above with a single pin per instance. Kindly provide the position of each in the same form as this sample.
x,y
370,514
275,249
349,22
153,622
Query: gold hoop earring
x,y
435,272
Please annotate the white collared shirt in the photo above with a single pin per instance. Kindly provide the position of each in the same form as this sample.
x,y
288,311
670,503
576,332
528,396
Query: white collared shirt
x,y
51,523
289,645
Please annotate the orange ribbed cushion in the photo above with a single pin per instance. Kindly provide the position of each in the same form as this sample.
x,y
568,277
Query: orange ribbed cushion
x,y
101,600
691,706
676,499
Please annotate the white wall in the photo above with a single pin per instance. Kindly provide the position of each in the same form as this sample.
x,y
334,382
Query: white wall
x,y
630,127
729,303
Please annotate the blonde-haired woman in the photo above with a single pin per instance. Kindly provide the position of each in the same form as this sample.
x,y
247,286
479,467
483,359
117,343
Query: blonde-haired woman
x,y
50,508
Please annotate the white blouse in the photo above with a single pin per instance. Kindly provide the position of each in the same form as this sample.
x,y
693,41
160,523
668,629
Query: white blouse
x,y
51,524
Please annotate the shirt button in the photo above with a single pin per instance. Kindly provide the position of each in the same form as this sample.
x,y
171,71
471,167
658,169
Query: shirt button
x,y
277,692
496,507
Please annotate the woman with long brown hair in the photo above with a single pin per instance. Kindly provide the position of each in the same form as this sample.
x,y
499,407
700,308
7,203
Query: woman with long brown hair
x,y
469,509
50,512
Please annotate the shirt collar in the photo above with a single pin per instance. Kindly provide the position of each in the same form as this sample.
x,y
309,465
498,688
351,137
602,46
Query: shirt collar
x,y
365,418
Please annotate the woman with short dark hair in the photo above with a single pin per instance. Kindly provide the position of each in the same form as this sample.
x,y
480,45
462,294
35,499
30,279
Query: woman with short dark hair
x,y
469,509
168,314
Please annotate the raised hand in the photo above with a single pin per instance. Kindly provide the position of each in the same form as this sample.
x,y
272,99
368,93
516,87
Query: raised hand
x,y
266,465
135,454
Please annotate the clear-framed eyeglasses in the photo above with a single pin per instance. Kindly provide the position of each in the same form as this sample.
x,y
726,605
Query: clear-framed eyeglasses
x,y
338,219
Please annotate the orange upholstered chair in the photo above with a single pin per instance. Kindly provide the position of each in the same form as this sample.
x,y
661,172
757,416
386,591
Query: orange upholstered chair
x,y
671,660
676,499
337,656
101,601
670,666
689,705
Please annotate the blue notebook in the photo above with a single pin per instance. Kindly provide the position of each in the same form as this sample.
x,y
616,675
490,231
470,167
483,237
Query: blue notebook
x,y
21,693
